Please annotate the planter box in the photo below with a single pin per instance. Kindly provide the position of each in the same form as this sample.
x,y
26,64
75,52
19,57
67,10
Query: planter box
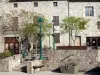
x,y
69,69
71,47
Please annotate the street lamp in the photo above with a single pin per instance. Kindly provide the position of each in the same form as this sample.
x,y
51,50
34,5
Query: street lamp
x,y
53,35
40,20
69,25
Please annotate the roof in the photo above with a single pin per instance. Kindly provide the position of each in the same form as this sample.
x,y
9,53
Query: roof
x,y
55,0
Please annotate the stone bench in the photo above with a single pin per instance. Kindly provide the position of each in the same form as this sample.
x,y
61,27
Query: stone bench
x,y
34,66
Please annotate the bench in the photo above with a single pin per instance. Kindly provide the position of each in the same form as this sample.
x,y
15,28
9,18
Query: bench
x,y
34,66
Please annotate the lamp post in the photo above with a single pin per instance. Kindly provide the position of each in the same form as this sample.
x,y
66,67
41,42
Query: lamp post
x,y
69,25
40,20
53,35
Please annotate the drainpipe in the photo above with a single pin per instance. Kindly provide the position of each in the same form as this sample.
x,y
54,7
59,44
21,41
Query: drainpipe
x,y
69,26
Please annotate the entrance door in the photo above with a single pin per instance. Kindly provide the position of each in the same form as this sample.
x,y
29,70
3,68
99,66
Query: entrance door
x,y
78,41
93,42
12,44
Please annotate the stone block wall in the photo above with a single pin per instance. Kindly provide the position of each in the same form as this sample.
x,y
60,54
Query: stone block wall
x,y
9,63
86,59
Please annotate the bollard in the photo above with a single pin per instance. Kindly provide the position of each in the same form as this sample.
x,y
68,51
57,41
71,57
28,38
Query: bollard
x,y
29,67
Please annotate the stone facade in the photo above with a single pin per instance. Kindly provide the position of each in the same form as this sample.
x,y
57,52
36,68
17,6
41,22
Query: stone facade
x,y
48,10
86,59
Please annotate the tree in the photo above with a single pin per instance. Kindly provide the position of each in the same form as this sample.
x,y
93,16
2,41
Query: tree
x,y
74,25
27,25
31,27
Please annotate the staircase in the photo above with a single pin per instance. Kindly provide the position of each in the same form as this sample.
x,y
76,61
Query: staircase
x,y
22,67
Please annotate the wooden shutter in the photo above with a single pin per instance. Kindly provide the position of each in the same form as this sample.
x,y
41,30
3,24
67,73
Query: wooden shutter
x,y
35,19
0,18
15,23
57,37
56,20
98,24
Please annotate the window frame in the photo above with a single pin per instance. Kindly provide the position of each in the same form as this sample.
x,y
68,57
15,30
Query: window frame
x,y
56,20
55,4
89,11
15,23
15,5
79,39
35,4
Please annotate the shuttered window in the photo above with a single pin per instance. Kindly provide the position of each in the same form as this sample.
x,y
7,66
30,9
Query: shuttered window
x,y
57,37
15,23
56,20
98,24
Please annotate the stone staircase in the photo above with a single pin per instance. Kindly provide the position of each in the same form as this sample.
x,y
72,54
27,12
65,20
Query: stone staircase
x,y
20,68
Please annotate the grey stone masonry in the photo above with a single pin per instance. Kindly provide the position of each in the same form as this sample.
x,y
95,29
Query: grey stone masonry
x,y
7,64
86,59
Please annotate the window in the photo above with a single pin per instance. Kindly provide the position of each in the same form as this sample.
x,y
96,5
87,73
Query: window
x,y
57,37
15,23
35,4
15,5
93,42
89,11
77,40
0,18
98,24
55,4
12,44
56,20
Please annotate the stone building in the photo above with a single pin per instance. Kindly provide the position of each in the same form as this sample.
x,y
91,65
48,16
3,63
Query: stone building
x,y
56,9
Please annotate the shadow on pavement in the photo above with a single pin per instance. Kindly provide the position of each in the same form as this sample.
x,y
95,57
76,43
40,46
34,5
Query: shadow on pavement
x,y
24,69
57,70
94,71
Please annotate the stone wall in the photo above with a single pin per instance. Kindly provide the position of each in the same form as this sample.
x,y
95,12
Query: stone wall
x,y
86,59
9,63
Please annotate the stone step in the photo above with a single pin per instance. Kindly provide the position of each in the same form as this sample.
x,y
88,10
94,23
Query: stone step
x,y
20,68
20,65
16,69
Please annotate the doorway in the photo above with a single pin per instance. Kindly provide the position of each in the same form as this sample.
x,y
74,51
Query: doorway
x,y
93,42
77,40
12,44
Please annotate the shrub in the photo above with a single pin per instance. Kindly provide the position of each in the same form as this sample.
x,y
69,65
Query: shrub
x,y
12,52
5,54
1,56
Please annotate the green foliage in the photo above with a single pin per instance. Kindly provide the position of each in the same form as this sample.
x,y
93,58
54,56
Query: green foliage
x,y
12,52
32,29
5,54
74,23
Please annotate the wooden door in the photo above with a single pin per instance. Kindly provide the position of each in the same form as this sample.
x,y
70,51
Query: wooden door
x,y
12,44
78,41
